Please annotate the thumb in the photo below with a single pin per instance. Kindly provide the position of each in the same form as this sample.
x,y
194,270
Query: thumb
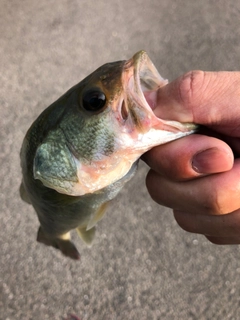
x,y
208,98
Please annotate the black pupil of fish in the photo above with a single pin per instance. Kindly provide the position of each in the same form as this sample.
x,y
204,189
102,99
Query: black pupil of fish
x,y
94,101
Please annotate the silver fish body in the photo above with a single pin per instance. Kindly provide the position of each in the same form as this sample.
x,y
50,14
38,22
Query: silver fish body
x,y
83,148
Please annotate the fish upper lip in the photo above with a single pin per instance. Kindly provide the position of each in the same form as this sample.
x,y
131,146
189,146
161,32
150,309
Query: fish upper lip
x,y
146,77
141,79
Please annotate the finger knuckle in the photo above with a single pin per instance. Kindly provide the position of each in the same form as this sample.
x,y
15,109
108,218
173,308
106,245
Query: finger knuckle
x,y
183,222
215,240
185,226
214,203
153,186
190,85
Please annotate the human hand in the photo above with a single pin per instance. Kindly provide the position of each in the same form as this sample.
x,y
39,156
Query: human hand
x,y
197,176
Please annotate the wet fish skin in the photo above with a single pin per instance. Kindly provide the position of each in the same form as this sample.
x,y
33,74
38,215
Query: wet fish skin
x,y
74,161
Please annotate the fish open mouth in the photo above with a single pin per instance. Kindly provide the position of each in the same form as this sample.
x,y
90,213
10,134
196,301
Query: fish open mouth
x,y
141,81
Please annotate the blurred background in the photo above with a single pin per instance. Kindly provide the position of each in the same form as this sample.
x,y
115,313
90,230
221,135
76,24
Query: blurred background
x,y
142,265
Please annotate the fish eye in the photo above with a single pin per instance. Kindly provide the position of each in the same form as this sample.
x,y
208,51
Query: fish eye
x,y
93,100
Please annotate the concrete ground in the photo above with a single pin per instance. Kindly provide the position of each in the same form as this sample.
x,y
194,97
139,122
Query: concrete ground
x,y
142,265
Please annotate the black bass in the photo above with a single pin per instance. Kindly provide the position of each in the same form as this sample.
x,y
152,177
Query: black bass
x,y
83,148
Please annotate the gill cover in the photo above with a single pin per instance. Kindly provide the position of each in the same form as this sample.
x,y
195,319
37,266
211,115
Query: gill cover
x,y
54,164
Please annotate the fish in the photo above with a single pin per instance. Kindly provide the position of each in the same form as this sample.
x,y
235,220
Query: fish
x,y
81,150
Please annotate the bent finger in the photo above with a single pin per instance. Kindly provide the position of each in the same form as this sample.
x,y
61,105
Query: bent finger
x,y
213,195
207,98
227,226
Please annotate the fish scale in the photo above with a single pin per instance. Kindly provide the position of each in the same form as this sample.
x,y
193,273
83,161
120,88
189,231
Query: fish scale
x,y
96,137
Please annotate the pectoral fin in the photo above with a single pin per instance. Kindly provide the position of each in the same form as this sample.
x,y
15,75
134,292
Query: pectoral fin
x,y
97,216
86,235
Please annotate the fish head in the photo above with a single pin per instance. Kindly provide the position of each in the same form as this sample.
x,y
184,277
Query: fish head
x,y
107,124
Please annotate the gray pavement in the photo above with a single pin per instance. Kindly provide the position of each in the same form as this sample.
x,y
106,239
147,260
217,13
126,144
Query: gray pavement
x,y
142,265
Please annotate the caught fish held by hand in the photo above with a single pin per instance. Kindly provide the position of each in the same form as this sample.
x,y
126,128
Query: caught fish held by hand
x,y
83,148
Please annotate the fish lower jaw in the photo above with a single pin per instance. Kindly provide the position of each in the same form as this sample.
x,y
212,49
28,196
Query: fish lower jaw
x,y
155,138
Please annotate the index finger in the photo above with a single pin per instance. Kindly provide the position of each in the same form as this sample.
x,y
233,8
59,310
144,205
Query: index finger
x,y
208,98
